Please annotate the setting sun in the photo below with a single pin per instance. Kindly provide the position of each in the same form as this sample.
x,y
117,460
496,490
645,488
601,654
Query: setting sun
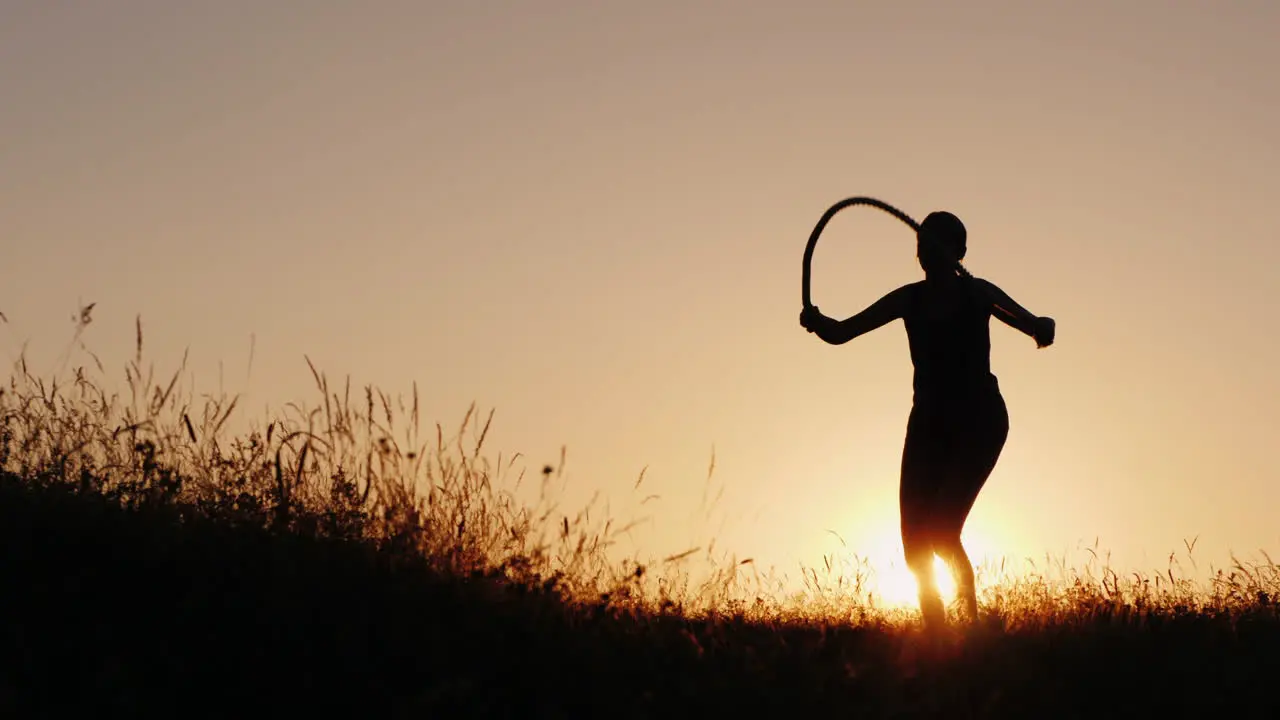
x,y
891,583
895,586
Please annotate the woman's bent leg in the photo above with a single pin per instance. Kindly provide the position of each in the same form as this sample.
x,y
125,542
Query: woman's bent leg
x,y
916,491
977,447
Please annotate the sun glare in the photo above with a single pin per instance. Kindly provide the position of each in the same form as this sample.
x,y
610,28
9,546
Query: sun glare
x,y
896,586
893,584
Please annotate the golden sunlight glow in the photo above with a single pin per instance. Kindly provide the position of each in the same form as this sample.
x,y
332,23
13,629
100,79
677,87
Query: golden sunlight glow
x,y
895,586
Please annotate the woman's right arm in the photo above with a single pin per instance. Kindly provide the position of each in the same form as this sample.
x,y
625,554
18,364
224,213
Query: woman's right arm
x,y
838,332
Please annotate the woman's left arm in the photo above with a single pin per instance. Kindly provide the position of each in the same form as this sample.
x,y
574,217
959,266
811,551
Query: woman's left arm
x,y
1017,317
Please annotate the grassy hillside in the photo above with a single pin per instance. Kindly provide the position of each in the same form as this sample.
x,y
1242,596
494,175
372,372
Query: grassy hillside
x,y
335,560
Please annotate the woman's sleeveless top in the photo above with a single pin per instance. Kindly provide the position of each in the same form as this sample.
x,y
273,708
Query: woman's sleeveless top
x,y
952,353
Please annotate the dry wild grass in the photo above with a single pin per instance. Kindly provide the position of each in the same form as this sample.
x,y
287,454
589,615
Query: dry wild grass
x,y
362,465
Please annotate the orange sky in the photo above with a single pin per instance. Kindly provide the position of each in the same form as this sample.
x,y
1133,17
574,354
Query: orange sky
x,y
591,216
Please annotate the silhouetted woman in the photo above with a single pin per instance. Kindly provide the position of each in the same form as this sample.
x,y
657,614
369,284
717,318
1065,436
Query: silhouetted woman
x,y
958,422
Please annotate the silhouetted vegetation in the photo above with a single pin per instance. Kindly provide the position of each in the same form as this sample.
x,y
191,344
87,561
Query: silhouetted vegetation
x,y
340,559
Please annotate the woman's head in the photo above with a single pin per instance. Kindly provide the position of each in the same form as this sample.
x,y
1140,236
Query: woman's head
x,y
940,242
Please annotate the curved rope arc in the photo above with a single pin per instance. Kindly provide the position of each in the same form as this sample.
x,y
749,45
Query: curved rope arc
x,y
826,218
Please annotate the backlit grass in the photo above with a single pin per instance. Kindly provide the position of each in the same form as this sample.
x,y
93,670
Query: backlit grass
x,y
350,554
